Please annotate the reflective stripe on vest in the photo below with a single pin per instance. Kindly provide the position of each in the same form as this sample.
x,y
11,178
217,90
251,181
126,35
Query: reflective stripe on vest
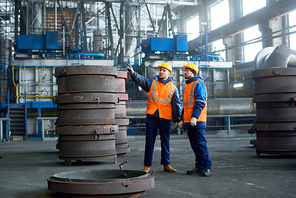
x,y
168,101
191,101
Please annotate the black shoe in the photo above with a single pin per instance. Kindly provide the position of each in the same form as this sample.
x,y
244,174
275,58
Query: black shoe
x,y
195,170
206,173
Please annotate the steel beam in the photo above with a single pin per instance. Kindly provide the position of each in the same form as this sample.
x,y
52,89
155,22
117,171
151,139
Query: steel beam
x,y
61,8
163,15
150,17
109,29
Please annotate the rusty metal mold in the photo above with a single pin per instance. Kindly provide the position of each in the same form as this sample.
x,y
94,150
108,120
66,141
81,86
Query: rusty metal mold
x,y
275,96
101,182
86,124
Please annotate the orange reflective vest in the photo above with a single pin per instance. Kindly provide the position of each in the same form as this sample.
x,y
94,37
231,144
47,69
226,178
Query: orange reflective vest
x,y
160,97
189,102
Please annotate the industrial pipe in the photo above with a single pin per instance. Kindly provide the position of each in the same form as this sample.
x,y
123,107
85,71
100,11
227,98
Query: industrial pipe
x,y
280,57
218,106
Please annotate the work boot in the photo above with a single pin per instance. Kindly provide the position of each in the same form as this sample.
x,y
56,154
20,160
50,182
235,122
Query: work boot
x,y
206,173
194,171
146,169
168,168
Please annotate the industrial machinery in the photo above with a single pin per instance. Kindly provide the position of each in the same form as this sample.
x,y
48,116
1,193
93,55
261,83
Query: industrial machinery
x,y
42,43
177,48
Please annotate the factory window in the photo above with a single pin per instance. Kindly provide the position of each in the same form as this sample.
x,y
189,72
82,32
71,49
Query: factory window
x,y
219,14
252,5
292,22
250,36
192,28
219,48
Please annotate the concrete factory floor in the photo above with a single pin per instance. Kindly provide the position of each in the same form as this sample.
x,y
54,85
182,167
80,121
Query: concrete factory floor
x,y
236,170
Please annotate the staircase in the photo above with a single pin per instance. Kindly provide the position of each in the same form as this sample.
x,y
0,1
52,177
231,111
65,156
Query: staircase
x,y
18,119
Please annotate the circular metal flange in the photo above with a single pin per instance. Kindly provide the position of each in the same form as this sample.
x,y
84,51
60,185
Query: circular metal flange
x,y
122,96
276,114
122,122
121,137
122,149
275,85
84,148
279,97
120,110
120,81
121,74
86,130
276,142
101,182
85,70
273,72
77,106
86,137
290,126
87,98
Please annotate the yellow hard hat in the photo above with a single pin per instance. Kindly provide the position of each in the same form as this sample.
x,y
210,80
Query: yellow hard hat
x,y
191,66
167,66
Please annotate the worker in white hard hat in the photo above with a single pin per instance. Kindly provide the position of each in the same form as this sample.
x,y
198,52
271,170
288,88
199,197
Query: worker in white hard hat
x,y
194,119
162,107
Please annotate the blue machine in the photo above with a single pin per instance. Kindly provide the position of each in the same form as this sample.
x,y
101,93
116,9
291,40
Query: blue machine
x,y
27,43
171,45
175,48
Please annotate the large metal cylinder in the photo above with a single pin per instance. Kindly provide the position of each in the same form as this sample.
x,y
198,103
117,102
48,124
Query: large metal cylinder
x,y
86,124
275,97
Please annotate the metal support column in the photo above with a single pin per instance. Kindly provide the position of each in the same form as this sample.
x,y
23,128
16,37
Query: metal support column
x,y
83,24
16,14
109,28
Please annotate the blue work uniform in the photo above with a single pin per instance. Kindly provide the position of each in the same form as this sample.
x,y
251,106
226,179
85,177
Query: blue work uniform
x,y
196,133
154,123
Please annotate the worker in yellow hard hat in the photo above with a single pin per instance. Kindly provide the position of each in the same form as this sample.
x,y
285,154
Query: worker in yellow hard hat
x,y
194,119
162,107
192,67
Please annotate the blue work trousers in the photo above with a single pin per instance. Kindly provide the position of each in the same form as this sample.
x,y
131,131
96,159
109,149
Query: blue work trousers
x,y
198,144
152,127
